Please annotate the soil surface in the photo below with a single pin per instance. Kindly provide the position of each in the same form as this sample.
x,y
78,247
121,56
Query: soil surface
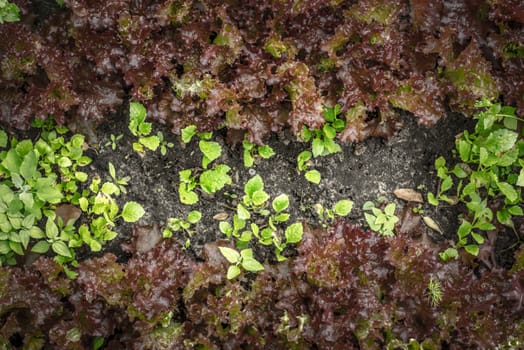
x,y
367,171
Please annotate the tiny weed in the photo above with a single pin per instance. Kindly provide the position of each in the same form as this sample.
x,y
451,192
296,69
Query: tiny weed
x,y
113,141
434,292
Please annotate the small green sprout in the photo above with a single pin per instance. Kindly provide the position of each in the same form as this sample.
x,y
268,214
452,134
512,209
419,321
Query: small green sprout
x,y
341,208
164,145
177,224
303,164
380,221
243,259
113,141
322,140
188,132
140,128
251,150
211,150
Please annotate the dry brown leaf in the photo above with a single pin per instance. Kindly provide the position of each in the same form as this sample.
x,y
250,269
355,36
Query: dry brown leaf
x,y
221,216
432,224
408,195
68,213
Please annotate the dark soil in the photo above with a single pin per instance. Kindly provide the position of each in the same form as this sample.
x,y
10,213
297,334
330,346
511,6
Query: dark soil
x,y
362,172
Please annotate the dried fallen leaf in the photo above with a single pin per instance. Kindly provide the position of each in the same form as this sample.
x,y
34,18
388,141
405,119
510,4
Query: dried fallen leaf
x,y
432,224
408,195
146,237
221,216
68,213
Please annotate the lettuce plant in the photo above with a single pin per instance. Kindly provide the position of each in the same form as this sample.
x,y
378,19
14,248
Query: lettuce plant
x,y
489,170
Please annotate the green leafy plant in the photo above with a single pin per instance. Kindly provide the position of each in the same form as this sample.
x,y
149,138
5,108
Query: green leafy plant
x,y
140,128
254,218
186,187
341,208
251,151
113,141
190,131
210,181
490,170
9,12
243,259
178,224
381,221
323,140
164,145
213,180
39,180
211,151
119,182
303,164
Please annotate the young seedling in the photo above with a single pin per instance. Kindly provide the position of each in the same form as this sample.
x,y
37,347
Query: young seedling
x,y
380,221
113,141
120,183
323,140
186,188
190,131
177,224
213,180
164,145
140,128
341,208
243,259
251,151
303,164
253,211
211,151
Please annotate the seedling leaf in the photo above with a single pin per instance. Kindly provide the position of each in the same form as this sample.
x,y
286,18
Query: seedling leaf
x,y
253,185
294,233
313,176
194,216
252,265
211,150
231,255
61,248
132,212
343,207
280,203
232,272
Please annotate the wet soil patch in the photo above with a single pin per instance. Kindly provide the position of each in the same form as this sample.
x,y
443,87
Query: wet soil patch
x,y
370,170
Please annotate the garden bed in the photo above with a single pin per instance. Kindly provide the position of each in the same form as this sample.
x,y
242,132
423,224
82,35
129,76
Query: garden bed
x,y
312,177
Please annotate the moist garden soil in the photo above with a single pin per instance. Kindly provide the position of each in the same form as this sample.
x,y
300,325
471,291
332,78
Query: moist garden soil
x,y
264,70
362,172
